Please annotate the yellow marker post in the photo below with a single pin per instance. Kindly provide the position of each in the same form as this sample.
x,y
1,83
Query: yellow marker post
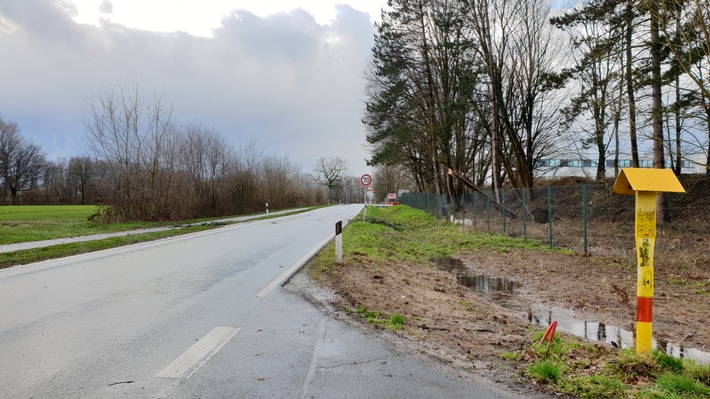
x,y
645,184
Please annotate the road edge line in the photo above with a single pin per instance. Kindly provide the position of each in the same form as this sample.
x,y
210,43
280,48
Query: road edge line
x,y
284,277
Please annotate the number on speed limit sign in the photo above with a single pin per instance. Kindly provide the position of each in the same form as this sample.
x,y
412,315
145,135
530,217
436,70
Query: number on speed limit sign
x,y
366,180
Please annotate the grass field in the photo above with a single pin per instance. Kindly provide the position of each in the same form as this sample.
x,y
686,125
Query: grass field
x,y
23,257
24,223
45,222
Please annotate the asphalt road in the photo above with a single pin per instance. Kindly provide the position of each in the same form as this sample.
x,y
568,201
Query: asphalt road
x,y
199,316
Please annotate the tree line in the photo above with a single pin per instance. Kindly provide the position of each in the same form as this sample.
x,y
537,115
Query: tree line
x,y
492,87
143,165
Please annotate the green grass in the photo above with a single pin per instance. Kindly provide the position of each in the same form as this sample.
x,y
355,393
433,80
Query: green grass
x,y
24,223
57,251
36,223
402,234
545,371
393,323
567,368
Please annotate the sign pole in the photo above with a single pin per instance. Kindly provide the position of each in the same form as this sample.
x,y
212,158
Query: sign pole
x,y
364,215
365,180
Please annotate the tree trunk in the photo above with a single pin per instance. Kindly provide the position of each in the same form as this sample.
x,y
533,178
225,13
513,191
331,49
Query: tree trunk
x,y
630,84
678,127
656,112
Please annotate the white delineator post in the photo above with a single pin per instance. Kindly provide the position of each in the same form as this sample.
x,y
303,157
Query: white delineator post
x,y
339,242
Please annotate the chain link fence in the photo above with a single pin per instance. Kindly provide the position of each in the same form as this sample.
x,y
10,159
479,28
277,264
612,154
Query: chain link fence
x,y
587,219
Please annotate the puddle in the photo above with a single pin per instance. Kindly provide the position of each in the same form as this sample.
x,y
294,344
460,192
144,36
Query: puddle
x,y
449,264
480,283
501,289
601,332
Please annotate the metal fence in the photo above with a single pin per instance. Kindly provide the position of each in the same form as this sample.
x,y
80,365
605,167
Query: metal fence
x,y
586,218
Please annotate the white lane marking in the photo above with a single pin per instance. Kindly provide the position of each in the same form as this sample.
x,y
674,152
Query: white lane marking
x,y
291,270
199,353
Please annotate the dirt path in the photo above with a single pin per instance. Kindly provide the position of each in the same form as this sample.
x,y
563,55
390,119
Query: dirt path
x,y
515,293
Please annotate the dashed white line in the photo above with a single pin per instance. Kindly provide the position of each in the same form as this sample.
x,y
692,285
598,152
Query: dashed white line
x,y
189,362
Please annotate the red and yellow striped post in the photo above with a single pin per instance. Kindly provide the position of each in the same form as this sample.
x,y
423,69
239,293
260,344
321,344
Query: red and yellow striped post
x,y
645,243
645,184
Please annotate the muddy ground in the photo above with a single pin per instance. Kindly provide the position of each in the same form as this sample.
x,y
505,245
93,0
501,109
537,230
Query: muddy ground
x,y
513,295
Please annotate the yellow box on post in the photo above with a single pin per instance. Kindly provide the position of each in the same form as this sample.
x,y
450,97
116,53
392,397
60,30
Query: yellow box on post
x,y
645,184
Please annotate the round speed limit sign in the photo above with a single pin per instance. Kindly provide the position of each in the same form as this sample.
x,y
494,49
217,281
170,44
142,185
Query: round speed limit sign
x,y
366,180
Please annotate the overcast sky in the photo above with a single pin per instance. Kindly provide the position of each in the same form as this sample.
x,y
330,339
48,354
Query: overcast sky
x,y
286,74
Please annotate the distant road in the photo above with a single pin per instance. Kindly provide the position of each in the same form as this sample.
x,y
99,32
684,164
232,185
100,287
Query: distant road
x,y
198,316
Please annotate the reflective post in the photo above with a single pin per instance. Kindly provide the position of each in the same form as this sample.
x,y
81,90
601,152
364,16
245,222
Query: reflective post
x,y
339,242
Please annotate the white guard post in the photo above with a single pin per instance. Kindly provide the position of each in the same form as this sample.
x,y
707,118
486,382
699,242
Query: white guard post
x,y
339,242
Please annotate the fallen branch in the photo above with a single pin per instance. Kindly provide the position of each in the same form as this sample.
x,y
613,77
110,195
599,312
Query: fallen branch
x,y
467,182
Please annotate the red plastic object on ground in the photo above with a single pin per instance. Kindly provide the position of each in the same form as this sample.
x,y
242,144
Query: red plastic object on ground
x,y
549,334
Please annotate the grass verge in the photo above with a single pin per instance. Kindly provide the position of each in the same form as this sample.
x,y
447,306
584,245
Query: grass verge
x,y
593,371
32,223
26,223
404,234
15,258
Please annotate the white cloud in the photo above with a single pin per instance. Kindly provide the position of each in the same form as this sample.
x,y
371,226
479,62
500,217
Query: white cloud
x,y
202,17
106,7
292,83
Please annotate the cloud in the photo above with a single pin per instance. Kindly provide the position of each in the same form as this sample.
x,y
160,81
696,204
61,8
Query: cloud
x,y
106,7
291,84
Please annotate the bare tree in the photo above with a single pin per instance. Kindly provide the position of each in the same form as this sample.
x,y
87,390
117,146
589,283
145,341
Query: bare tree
x,y
137,142
80,173
57,187
208,159
21,162
277,176
330,172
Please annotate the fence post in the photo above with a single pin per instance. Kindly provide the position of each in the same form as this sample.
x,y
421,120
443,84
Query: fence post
x,y
584,200
475,215
463,208
549,211
488,210
502,209
524,215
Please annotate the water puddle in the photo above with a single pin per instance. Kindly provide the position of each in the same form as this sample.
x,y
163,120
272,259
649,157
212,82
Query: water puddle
x,y
601,332
502,290
479,283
